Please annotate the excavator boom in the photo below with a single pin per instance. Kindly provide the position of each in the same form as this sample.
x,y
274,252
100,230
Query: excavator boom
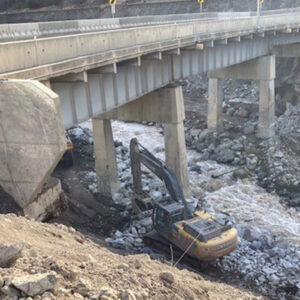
x,y
140,155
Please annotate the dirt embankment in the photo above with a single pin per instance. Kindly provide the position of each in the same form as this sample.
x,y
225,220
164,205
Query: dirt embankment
x,y
85,270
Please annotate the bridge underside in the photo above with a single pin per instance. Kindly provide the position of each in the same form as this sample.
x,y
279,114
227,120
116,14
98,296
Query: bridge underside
x,y
105,88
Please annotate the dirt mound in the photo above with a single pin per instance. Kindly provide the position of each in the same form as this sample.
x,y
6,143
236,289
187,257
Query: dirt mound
x,y
85,269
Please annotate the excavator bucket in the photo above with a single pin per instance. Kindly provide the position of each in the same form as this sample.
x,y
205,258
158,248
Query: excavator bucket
x,y
141,202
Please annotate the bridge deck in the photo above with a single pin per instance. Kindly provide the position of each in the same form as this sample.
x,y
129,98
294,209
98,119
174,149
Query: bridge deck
x,y
44,58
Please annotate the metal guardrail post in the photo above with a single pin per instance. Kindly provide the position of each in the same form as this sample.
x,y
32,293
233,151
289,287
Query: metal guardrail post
x,y
258,13
113,10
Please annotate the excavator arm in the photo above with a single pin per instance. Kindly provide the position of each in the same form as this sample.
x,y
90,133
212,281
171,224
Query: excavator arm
x,y
140,155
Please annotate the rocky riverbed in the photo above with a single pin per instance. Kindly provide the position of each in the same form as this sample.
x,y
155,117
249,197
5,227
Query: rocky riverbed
x,y
275,161
268,257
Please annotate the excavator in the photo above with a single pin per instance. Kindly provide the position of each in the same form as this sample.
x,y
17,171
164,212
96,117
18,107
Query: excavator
x,y
195,232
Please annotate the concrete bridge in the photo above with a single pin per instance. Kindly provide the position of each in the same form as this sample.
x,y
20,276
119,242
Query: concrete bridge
x,y
125,69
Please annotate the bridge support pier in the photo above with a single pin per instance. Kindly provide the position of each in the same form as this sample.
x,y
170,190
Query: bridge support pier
x,y
163,106
262,69
175,147
215,104
105,158
266,109
176,157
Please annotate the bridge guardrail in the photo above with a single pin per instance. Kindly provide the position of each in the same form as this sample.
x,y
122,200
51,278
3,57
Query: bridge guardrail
x,y
20,55
21,31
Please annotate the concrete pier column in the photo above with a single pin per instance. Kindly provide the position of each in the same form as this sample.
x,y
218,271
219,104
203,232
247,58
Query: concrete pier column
x,y
176,154
105,158
175,147
266,109
215,102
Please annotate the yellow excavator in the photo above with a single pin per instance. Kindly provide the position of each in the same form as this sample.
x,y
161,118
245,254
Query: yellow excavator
x,y
196,233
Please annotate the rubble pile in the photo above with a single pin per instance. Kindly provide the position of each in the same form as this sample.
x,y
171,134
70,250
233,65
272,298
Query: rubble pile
x,y
223,150
269,262
131,237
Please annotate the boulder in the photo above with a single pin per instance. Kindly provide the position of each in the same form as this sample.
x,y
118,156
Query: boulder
x,y
252,234
195,133
225,156
237,147
32,285
295,201
136,264
10,253
196,169
167,276
123,267
83,288
249,129
128,295
10,292
202,136
242,113
226,145
251,161
146,222
240,173
107,293
230,111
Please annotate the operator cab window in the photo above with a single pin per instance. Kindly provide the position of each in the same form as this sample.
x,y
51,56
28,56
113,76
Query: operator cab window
x,y
177,218
162,217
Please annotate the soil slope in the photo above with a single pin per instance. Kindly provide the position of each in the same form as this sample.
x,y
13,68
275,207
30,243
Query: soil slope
x,y
84,267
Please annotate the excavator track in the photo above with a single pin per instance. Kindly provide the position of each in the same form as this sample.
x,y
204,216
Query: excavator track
x,y
156,242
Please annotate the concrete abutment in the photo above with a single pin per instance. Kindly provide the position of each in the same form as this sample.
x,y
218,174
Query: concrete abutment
x,y
32,140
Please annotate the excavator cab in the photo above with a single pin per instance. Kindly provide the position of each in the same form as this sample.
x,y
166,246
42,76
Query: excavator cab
x,y
165,216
